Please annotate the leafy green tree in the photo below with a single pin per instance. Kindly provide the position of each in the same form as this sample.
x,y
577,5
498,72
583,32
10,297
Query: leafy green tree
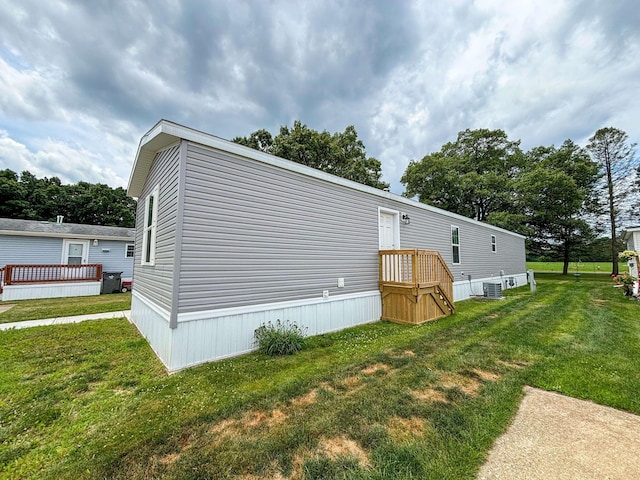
x,y
473,176
610,148
555,194
12,195
259,140
341,154
27,197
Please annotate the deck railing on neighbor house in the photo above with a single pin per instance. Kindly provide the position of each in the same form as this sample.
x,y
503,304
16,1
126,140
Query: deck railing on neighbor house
x,y
20,274
415,268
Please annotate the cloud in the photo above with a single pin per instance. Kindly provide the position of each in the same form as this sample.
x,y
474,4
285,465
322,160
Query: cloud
x,y
87,79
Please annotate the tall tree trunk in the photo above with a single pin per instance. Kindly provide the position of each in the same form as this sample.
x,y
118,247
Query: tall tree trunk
x,y
612,219
565,255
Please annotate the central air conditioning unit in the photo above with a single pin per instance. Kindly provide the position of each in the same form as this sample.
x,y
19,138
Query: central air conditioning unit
x,y
492,290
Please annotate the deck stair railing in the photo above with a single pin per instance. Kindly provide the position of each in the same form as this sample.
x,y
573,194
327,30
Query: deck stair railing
x,y
416,285
415,268
21,274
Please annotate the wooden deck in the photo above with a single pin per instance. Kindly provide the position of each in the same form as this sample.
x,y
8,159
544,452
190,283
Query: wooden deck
x,y
25,274
416,286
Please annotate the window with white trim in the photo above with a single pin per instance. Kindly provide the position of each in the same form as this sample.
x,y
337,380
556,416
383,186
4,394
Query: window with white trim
x,y
494,247
129,250
455,244
150,228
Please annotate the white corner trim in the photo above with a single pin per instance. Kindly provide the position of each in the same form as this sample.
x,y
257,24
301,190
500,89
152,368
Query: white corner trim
x,y
224,312
153,306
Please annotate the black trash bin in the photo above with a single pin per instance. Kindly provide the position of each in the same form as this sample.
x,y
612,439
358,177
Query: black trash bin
x,y
111,282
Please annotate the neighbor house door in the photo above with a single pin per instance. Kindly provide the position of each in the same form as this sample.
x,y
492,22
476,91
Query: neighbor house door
x,y
74,252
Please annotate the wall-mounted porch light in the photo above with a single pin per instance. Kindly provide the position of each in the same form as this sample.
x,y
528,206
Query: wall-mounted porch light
x,y
405,219
95,242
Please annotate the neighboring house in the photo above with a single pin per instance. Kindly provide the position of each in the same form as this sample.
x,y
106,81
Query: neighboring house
x,y
31,242
632,238
228,238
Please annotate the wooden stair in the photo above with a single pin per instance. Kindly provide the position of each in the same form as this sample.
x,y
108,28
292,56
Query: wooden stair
x,y
416,286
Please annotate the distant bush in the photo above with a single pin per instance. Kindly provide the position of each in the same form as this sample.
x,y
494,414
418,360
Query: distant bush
x,y
281,338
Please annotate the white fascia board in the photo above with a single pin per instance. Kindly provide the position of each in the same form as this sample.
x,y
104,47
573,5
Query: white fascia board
x,y
165,132
64,235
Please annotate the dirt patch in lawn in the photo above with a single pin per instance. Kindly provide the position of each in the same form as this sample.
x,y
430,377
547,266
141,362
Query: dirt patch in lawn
x,y
375,368
305,400
343,447
406,429
485,375
256,418
352,383
430,395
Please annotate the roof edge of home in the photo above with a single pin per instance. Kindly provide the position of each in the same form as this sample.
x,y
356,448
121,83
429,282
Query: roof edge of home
x,y
166,132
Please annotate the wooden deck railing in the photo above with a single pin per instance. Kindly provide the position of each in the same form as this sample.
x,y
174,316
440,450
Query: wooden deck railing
x,y
415,268
18,274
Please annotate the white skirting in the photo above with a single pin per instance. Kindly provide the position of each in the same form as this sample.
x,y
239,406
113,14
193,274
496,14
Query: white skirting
x,y
464,289
212,335
50,290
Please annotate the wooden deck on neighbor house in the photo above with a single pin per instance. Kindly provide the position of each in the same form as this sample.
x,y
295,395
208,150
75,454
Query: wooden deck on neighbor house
x,y
416,286
22,274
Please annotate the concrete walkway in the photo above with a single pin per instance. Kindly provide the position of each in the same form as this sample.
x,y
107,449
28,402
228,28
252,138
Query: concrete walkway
x,y
62,320
558,437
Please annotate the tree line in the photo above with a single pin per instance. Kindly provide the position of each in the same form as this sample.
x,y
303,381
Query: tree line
x,y
555,196
24,196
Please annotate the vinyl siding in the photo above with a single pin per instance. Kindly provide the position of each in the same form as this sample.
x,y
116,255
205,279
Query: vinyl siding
x,y
114,260
155,281
18,249
255,233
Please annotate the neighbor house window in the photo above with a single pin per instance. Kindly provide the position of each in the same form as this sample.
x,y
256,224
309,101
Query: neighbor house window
x,y
494,249
150,228
455,244
129,250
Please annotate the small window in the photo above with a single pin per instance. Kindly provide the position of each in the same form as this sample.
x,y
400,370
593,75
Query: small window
x,y
455,244
129,250
150,228
494,248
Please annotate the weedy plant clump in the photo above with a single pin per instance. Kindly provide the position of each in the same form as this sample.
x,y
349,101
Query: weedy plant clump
x,y
281,338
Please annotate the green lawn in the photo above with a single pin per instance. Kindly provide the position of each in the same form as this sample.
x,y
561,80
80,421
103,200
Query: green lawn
x,y
380,401
64,307
576,267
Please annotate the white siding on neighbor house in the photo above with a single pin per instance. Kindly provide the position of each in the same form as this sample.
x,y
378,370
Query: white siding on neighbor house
x,y
254,233
114,259
155,281
50,290
18,249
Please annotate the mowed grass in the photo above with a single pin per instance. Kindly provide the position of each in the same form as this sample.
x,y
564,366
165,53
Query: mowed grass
x,y
576,267
64,307
380,401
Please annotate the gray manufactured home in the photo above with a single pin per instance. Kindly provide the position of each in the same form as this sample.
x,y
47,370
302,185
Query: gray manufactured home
x,y
228,238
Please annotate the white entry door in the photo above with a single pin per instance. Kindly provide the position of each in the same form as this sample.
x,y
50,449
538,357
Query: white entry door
x,y
75,252
389,234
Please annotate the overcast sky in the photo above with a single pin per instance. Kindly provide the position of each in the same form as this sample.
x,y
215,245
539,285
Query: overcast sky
x,y
81,81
